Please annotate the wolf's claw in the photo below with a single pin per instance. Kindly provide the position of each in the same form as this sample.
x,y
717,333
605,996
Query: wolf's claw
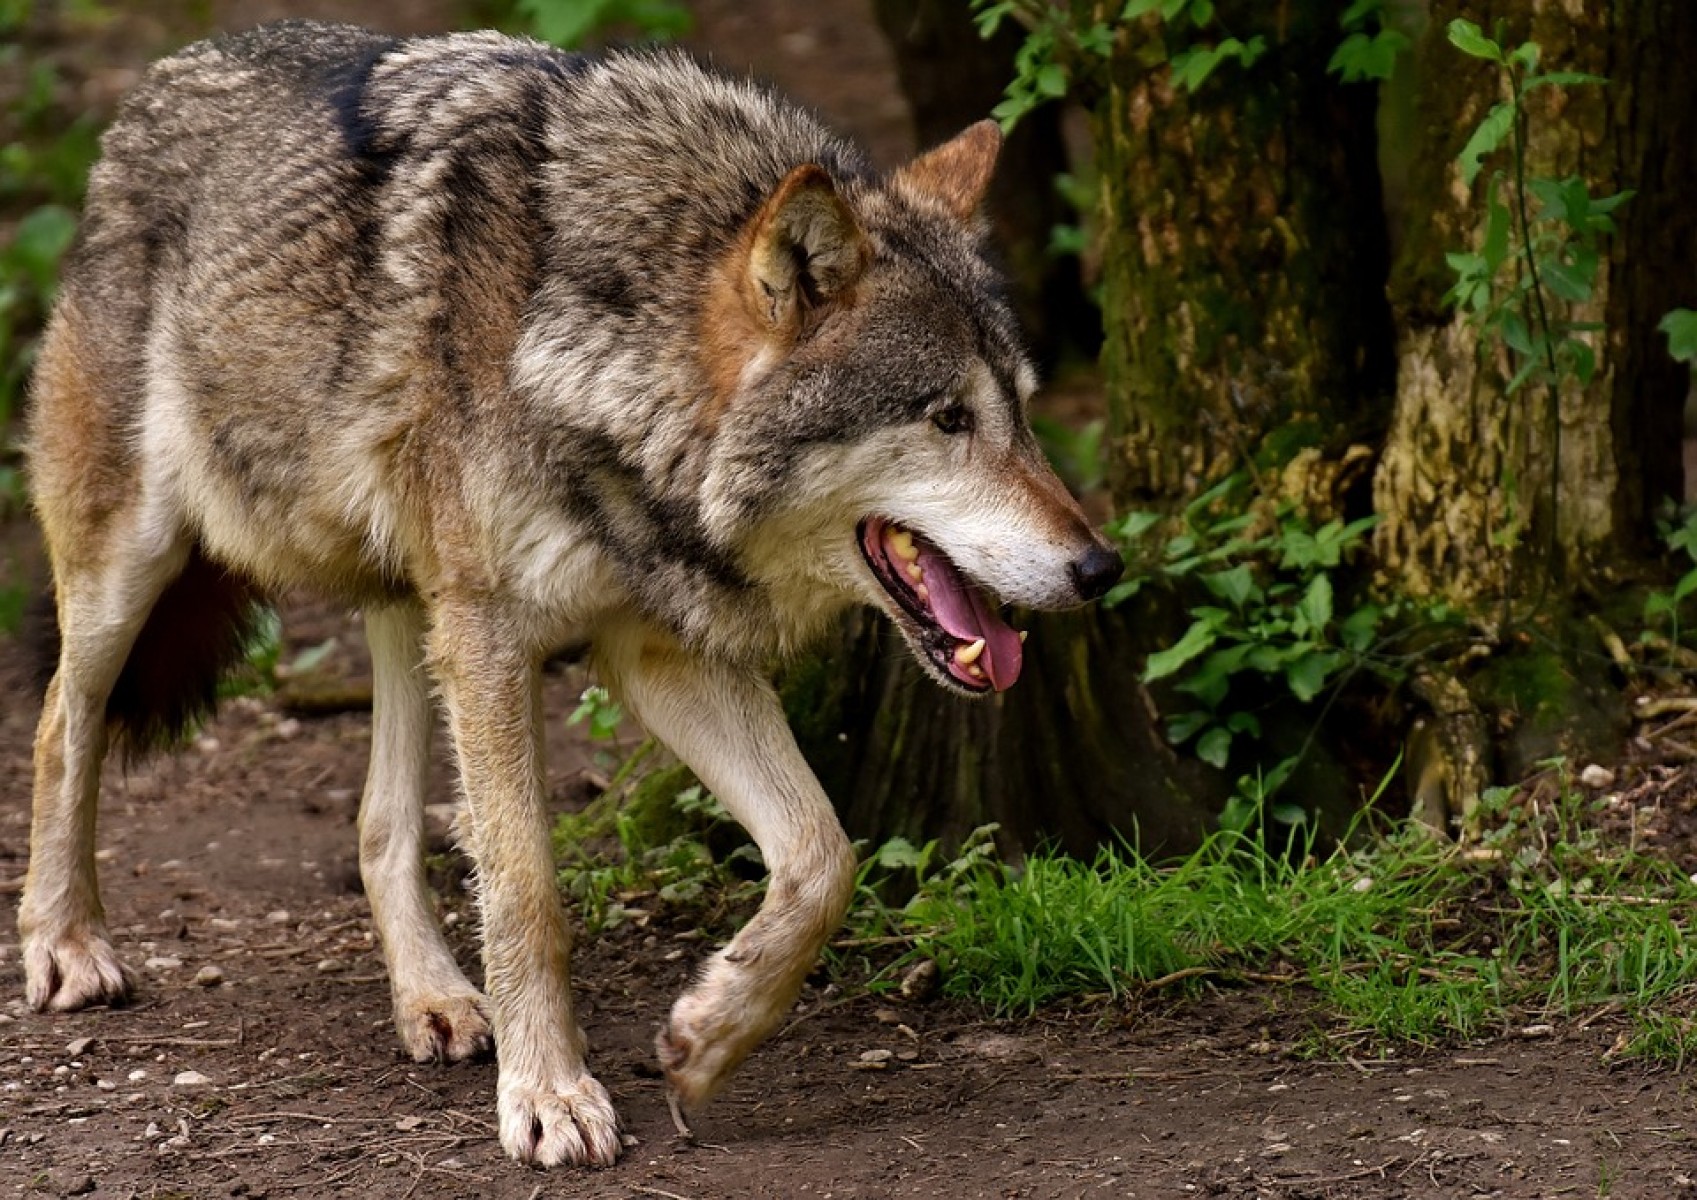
x,y
74,971
679,1121
570,1123
444,1028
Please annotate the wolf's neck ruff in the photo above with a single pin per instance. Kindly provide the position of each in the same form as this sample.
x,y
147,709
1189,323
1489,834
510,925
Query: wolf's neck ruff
x,y
976,646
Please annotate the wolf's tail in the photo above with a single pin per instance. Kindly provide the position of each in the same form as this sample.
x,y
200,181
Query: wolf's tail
x,y
197,631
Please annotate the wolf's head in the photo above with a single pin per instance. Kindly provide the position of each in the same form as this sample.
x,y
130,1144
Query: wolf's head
x,y
870,395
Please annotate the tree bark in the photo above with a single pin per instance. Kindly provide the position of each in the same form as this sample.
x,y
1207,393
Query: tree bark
x,y
1072,756
1480,504
1245,258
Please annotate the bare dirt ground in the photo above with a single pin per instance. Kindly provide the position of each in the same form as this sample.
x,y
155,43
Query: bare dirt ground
x,y
259,1060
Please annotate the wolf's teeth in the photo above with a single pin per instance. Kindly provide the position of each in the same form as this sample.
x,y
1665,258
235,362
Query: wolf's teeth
x,y
968,654
1023,634
975,672
924,594
901,542
916,572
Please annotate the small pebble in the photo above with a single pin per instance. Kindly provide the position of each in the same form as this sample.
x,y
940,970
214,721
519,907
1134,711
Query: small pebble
x,y
329,966
106,1085
190,1079
279,916
877,1056
920,980
1597,776
209,976
78,1047
163,962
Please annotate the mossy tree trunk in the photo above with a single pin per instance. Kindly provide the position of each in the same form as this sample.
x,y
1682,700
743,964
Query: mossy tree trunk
x,y
1481,504
1245,260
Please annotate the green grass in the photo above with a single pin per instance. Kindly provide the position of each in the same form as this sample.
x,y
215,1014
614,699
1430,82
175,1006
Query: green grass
x,y
1410,942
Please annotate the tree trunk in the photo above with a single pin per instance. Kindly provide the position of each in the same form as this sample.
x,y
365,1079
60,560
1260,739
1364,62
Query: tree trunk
x,y
1480,503
1245,259
1071,756
1246,256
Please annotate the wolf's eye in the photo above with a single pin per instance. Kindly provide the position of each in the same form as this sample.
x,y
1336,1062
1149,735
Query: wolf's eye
x,y
956,418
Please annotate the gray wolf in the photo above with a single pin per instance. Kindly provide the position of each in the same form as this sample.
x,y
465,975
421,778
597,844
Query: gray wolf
x,y
516,350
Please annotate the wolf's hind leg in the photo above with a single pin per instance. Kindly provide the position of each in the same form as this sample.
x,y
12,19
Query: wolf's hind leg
x,y
438,1014
104,601
727,724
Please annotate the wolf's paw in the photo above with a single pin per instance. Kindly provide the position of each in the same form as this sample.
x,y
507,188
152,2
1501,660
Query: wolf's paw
x,y
704,1041
72,971
447,1027
573,1122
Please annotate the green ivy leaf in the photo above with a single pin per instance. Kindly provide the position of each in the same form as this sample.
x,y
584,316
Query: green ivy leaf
x,y
1243,722
1360,628
1469,39
1286,813
1569,281
1562,79
1681,327
1364,56
1580,358
1052,80
1316,605
1515,334
1132,526
1215,747
1359,11
1210,682
1195,641
1307,675
1486,138
1234,586
1123,591
1184,726
1495,249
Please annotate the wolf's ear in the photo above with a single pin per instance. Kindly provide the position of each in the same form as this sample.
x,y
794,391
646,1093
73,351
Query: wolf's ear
x,y
807,249
956,174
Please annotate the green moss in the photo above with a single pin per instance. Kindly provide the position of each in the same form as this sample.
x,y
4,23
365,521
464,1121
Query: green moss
x,y
1532,684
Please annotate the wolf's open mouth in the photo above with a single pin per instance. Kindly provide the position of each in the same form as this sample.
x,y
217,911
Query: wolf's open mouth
x,y
958,624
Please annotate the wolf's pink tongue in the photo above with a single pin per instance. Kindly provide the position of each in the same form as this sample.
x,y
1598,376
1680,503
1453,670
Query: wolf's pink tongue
x,y
963,612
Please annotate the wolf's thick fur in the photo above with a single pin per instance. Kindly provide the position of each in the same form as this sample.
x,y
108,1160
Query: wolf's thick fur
x,y
514,349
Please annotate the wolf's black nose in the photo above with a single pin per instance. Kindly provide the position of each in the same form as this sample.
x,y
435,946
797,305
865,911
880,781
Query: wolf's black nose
x,y
1096,572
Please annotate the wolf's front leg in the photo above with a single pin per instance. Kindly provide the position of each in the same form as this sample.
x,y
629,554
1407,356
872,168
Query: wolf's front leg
x,y
551,1110
726,723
